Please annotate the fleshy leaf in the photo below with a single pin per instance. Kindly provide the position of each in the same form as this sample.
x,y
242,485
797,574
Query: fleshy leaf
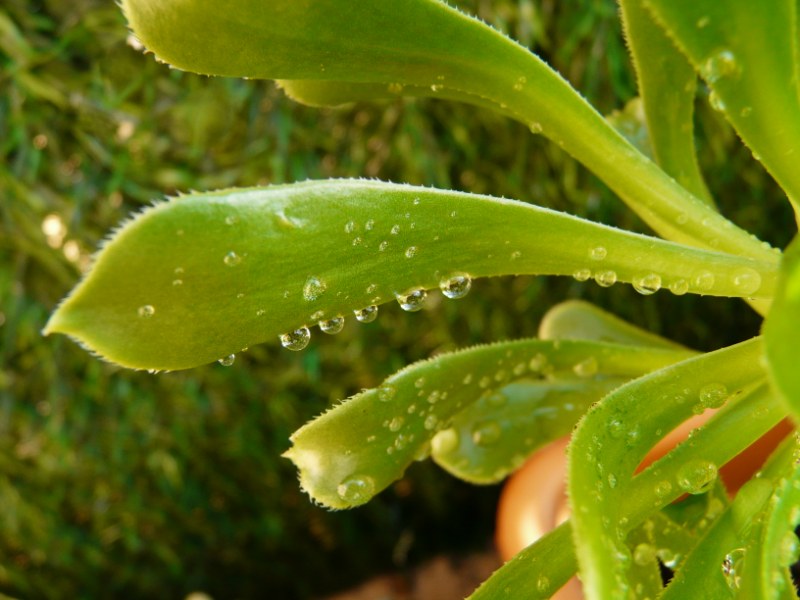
x,y
536,572
780,331
615,436
497,433
746,51
358,448
667,86
201,277
426,45
579,320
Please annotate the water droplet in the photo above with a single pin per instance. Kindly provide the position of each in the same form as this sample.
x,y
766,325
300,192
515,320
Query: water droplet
x,y
431,421
412,300
716,102
582,275
697,476
535,127
519,84
616,429
396,423
357,241
679,287
543,584
395,229
713,395
314,288
586,368
605,278
644,554
732,567
612,480
231,220
349,227
395,88
747,281
383,246
411,252
332,325
456,286
356,489
516,254
746,111
232,259
663,488
704,280
146,311
788,548
647,284
719,65
177,282
296,340
227,361
598,253
703,22
261,312
484,382
386,392
445,441
419,383
486,433
367,314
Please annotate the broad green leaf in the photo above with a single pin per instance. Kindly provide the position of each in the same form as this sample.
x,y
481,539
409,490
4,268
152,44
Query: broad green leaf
x,y
576,319
615,436
746,51
780,332
201,277
536,572
492,437
667,86
423,44
358,448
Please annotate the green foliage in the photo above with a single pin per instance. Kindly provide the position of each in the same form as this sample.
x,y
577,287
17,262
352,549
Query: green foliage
x,y
484,68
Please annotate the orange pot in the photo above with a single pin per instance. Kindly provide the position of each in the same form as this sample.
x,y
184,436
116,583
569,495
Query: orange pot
x,y
534,499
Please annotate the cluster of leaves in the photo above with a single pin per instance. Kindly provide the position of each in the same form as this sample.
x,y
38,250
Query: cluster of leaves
x,y
291,208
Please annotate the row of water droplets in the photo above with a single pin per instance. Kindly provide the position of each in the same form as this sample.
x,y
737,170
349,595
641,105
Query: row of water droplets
x,y
747,280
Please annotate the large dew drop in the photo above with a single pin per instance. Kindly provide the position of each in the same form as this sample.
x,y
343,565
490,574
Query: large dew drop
x,y
296,340
647,284
732,566
367,314
412,300
332,325
456,286
605,278
356,489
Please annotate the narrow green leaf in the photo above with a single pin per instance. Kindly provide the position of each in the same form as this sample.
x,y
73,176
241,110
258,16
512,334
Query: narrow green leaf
x,y
615,436
423,44
536,572
746,52
201,277
576,319
354,451
780,332
644,572
667,86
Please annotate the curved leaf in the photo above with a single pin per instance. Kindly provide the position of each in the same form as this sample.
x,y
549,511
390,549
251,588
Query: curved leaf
x,y
536,572
615,436
580,320
355,450
667,86
780,332
201,277
426,45
747,51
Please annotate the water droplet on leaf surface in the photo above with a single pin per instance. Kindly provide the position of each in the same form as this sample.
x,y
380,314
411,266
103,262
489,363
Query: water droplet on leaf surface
x,y
356,489
367,314
332,325
296,340
412,300
232,259
227,361
146,311
314,288
456,286
647,284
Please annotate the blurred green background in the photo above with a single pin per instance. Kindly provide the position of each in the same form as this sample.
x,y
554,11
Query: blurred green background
x,y
117,483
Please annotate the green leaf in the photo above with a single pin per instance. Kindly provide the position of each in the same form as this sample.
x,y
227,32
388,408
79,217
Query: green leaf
x,y
667,86
206,275
427,45
576,319
357,449
780,331
536,572
746,51
493,436
615,436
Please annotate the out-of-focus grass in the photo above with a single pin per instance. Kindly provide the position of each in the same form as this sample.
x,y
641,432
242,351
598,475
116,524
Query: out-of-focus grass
x,y
119,483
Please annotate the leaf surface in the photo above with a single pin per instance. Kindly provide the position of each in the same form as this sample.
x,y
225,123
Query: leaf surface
x,y
201,277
